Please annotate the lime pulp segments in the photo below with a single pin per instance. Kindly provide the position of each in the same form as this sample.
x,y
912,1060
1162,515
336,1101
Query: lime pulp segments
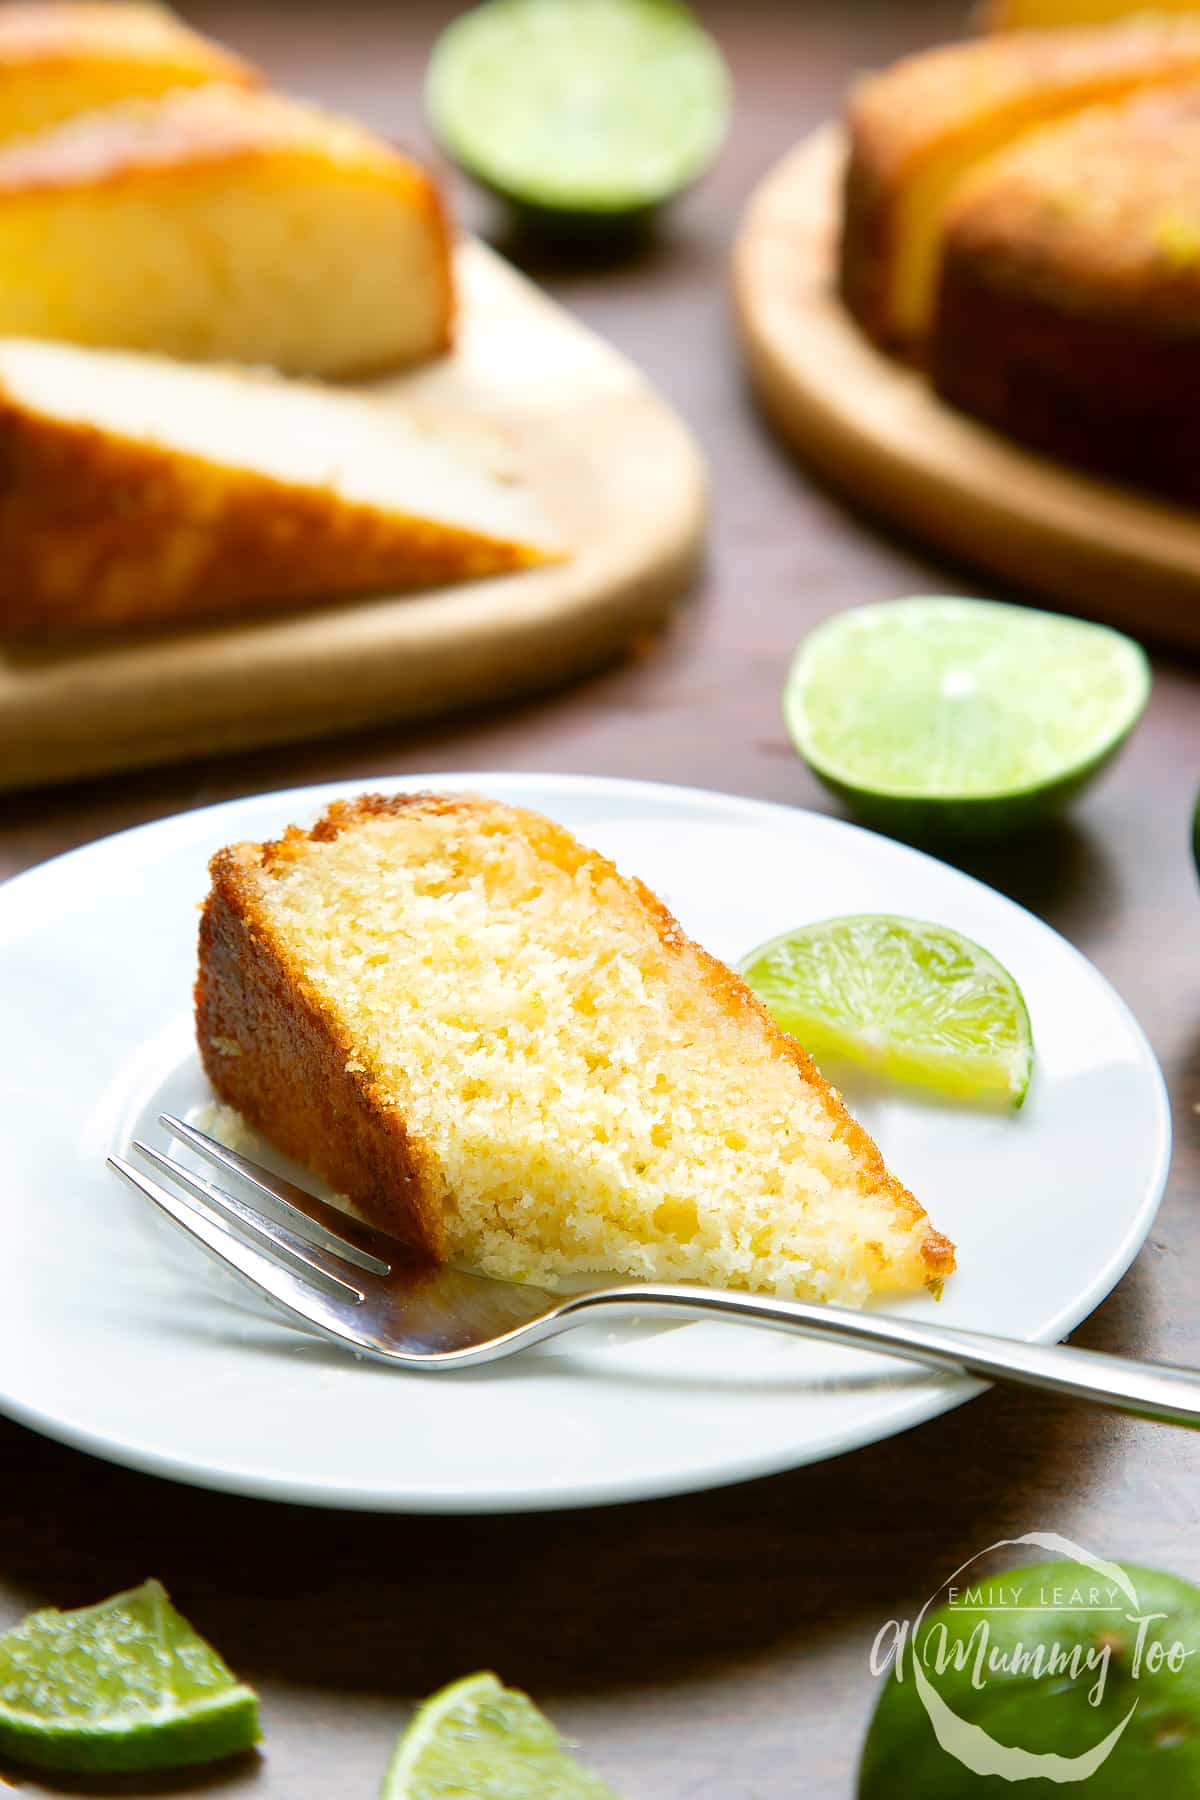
x,y
940,716
600,108
477,1738
125,1685
911,1000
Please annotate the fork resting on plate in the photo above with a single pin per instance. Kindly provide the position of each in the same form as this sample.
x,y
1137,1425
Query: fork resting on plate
x,y
367,1292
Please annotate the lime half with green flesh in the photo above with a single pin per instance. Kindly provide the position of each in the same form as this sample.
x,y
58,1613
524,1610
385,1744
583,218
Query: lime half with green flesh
x,y
479,1739
125,1685
911,1000
940,717
581,109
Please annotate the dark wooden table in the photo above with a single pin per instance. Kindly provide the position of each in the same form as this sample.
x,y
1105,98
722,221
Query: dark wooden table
x,y
715,1645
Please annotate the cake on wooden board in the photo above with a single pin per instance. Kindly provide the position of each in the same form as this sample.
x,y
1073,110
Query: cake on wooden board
x,y
58,59
223,222
135,488
919,128
500,1048
1068,310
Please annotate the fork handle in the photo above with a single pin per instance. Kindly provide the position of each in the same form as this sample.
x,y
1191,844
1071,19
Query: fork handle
x,y
1147,1390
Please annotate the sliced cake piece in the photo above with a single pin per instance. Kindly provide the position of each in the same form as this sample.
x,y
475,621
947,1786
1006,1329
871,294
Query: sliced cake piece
x,y
1021,15
920,127
1069,304
225,223
137,488
58,59
505,1051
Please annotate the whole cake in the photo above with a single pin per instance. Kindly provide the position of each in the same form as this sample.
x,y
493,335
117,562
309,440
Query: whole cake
x,y
502,1049
135,488
223,222
1068,311
918,129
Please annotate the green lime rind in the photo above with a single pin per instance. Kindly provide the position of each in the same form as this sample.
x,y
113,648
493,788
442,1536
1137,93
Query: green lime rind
x,y
910,1000
1158,1752
939,717
480,1739
123,1686
596,110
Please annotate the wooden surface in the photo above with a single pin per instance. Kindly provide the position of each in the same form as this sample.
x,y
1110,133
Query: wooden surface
x,y
877,428
619,481
714,1647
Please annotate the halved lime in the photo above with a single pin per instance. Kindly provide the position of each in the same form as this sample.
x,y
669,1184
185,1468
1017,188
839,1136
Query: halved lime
x,y
939,716
912,1000
481,1740
124,1685
595,109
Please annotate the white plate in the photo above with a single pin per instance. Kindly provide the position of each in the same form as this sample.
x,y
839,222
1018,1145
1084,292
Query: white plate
x,y
118,1337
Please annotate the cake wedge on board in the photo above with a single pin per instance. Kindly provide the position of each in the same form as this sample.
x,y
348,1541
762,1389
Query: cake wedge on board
x,y
58,59
503,1050
134,488
225,223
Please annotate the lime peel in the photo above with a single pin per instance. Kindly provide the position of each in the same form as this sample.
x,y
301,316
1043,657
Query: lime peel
x,y
911,1000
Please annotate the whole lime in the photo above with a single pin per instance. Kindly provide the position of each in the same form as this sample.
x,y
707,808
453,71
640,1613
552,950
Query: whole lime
x,y
1050,1662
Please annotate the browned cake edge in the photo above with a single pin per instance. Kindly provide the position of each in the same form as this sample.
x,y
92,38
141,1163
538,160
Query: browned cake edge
x,y
1068,375
291,1080
99,531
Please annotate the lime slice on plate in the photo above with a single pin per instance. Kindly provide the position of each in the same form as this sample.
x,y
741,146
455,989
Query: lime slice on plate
x,y
591,109
935,717
912,1000
124,1685
476,1738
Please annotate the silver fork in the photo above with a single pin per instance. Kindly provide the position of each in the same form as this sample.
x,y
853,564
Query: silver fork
x,y
378,1299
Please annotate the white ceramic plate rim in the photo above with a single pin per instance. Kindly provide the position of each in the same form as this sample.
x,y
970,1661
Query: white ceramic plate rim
x,y
926,1404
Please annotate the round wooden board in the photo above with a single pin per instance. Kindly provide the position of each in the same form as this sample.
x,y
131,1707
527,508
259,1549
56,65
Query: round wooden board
x,y
876,428
620,479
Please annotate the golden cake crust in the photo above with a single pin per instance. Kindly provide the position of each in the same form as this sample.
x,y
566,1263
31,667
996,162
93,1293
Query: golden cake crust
x,y
903,120
59,31
98,531
248,990
1069,301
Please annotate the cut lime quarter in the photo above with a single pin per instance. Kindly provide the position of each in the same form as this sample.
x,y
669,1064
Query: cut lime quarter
x,y
125,1685
478,1740
908,999
940,717
596,109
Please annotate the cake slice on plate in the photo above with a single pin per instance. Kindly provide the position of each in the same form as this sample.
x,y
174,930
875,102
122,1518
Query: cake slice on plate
x,y
135,488
225,223
58,59
503,1050
920,127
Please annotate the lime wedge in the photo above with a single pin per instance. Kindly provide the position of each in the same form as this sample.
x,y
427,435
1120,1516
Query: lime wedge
x,y
913,1001
936,717
596,109
480,1741
124,1685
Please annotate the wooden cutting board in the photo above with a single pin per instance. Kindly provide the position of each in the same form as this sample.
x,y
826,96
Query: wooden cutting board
x,y
618,475
876,428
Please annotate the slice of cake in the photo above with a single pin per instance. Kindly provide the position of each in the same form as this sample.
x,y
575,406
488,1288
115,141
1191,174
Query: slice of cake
x,y
503,1050
60,59
137,488
1069,305
225,223
918,129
